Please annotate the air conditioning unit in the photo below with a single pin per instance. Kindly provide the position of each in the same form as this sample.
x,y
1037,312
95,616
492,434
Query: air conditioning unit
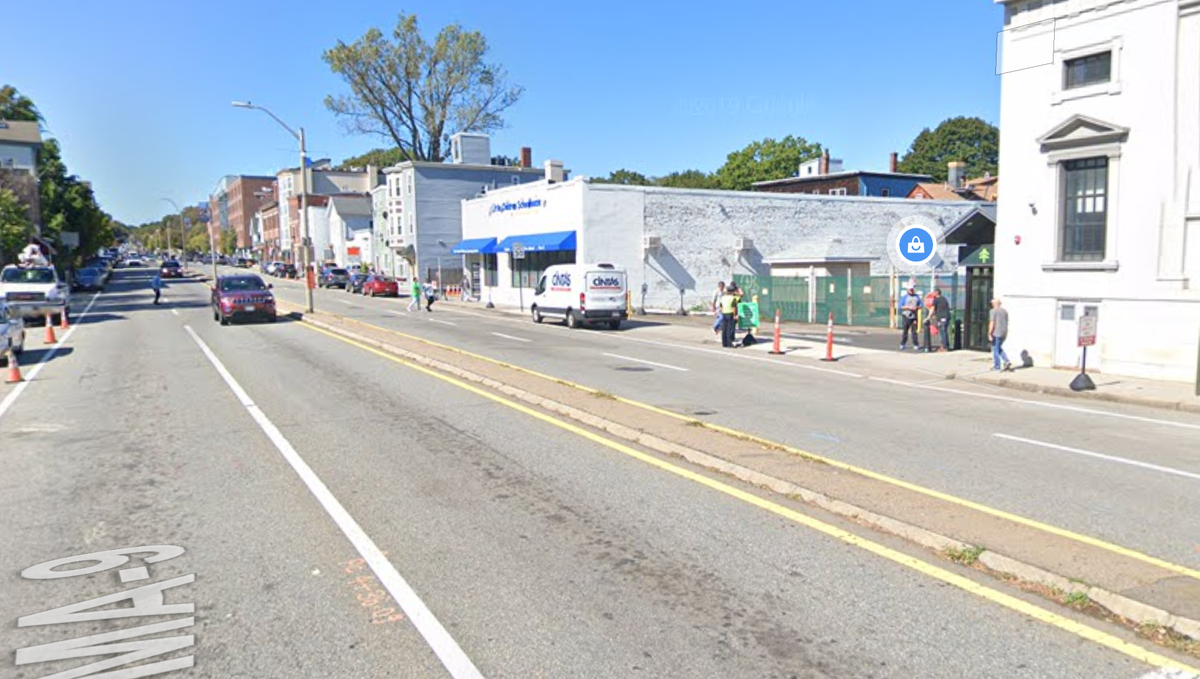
x,y
743,245
651,242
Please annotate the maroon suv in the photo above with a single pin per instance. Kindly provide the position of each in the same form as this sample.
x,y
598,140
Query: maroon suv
x,y
242,296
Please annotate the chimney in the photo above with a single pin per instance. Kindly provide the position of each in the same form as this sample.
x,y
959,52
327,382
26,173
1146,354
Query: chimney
x,y
554,171
825,162
957,174
526,156
892,163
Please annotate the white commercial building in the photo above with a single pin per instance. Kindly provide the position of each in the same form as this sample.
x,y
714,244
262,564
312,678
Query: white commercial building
x,y
676,242
1100,153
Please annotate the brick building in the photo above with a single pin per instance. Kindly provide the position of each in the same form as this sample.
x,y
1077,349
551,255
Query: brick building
x,y
234,202
824,176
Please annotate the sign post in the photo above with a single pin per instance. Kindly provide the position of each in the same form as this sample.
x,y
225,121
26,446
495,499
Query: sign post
x,y
518,254
1087,338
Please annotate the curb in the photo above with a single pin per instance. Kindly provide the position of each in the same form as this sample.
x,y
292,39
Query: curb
x,y
1119,604
1162,404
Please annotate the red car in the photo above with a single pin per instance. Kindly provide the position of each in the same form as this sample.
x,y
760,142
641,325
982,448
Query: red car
x,y
242,296
171,269
381,285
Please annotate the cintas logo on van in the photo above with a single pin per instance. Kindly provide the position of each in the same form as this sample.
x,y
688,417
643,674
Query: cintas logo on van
x,y
560,281
601,282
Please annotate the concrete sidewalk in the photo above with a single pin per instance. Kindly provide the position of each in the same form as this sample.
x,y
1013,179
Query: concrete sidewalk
x,y
875,352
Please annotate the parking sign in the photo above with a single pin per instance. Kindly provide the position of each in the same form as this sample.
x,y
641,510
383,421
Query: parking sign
x,y
1087,330
518,251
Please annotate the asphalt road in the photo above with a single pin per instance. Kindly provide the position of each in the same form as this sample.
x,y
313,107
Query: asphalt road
x,y
1125,474
280,458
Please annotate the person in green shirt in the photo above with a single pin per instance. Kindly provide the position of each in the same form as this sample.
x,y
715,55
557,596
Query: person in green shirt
x,y
414,289
728,307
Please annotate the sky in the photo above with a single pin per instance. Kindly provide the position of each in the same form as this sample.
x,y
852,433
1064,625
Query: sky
x,y
138,92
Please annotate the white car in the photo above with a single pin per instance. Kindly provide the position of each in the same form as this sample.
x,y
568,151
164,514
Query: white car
x,y
582,294
12,332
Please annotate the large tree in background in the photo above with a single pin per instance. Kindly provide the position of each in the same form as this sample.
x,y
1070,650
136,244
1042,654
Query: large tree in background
x,y
688,179
765,160
970,140
417,93
624,177
377,157
14,226
16,106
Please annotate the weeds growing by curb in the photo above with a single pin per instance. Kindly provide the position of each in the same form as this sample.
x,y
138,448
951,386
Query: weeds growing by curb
x,y
966,556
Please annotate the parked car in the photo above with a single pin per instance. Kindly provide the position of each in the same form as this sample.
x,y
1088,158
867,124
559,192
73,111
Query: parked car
x,y
272,268
32,292
286,270
382,286
171,269
334,278
12,332
134,262
89,278
243,295
354,282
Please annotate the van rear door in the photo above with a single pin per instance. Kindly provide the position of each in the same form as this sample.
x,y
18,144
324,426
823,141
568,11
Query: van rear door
x,y
605,289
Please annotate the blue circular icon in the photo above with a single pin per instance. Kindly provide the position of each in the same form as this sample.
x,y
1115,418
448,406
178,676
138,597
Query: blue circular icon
x,y
916,245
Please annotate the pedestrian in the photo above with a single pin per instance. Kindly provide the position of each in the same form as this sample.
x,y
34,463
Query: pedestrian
x,y
716,306
909,304
466,288
941,313
997,333
156,286
431,291
414,289
728,307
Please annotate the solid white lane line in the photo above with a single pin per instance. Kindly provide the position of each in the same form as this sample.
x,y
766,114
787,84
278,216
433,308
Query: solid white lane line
x,y
447,649
733,354
398,313
13,395
173,311
1101,456
638,360
1059,406
1168,673
434,320
515,339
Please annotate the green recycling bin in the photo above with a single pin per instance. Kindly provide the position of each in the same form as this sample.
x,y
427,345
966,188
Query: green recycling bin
x,y
747,315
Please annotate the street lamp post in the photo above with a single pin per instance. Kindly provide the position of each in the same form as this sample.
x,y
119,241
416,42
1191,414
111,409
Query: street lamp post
x,y
183,236
304,236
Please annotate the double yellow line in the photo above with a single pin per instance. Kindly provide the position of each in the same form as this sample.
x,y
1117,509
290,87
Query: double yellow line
x,y
1013,603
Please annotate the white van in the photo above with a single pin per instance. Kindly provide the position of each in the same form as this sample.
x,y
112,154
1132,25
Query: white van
x,y
581,293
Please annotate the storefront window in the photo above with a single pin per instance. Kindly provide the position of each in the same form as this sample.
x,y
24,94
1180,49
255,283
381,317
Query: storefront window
x,y
527,271
490,271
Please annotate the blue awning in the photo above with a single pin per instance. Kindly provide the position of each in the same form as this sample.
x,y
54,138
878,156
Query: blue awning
x,y
540,242
475,246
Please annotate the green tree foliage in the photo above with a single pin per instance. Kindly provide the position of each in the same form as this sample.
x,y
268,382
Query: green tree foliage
x,y
228,242
970,140
68,204
765,160
377,157
14,225
417,93
16,106
626,177
688,179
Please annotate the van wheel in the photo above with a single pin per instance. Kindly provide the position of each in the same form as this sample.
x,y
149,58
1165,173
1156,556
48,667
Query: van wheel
x,y
572,319
614,325
537,315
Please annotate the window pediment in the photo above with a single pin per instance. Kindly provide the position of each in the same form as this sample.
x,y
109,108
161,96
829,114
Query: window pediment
x,y
1080,131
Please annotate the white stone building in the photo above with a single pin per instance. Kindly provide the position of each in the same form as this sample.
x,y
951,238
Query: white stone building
x,y
1100,153
678,242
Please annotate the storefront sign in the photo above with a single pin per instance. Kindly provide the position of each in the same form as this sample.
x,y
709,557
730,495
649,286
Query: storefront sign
x,y
510,206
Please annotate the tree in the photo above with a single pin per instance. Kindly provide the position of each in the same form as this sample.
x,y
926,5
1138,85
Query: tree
x,y
15,106
625,177
415,93
228,242
688,179
970,140
765,160
376,157
14,226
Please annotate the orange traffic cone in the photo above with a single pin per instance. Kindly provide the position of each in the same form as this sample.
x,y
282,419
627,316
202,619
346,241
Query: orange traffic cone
x,y
64,324
14,370
50,339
